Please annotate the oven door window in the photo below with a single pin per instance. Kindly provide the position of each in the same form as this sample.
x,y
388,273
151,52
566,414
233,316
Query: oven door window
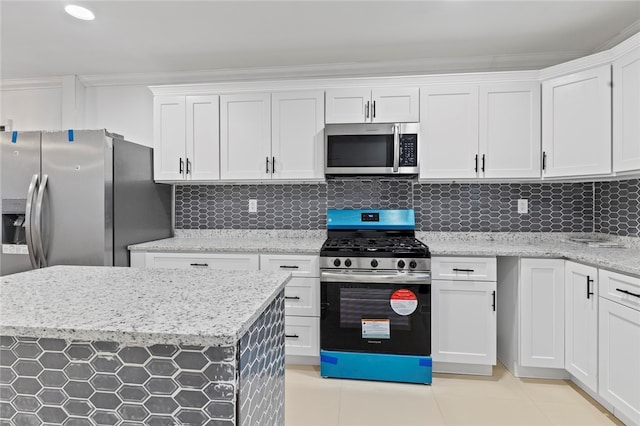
x,y
360,151
360,317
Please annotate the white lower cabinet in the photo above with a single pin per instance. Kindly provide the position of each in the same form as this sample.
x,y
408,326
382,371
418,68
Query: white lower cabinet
x,y
581,323
619,344
541,302
302,292
463,322
302,336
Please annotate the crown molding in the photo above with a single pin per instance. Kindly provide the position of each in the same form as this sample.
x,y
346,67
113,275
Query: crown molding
x,y
428,66
622,36
345,82
32,83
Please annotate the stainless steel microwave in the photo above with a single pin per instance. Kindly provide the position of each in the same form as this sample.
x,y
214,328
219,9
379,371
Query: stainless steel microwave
x,y
371,149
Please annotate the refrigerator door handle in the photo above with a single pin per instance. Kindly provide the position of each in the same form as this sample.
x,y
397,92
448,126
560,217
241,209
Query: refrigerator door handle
x,y
39,236
29,221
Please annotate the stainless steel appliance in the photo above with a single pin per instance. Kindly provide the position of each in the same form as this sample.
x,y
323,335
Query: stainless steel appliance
x,y
372,149
375,290
77,197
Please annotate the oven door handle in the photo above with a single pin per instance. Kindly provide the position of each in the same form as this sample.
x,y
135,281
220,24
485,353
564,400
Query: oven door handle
x,y
380,278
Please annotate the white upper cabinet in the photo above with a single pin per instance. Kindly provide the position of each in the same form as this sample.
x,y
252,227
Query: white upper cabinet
x,y
383,105
626,112
448,132
576,124
245,136
272,136
509,137
186,138
297,143
480,131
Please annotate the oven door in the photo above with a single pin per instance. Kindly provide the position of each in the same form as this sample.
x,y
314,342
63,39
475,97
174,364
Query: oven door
x,y
376,312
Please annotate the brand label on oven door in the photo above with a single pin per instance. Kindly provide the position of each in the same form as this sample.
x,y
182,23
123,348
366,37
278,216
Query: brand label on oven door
x,y
376,329
404,302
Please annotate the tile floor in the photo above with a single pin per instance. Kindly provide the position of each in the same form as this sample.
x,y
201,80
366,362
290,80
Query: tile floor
x,y
452,400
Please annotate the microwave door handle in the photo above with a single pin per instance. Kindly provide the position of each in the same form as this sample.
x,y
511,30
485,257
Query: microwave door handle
x,y
396,147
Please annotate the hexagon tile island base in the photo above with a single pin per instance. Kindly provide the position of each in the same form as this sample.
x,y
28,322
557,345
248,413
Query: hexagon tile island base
x,y
54,381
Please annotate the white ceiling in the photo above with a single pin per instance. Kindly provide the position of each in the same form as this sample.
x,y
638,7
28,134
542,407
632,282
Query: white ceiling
x,y
170,39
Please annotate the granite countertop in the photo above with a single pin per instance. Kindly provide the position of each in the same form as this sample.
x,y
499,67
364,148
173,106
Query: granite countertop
x,y
136,306
247,241
520,244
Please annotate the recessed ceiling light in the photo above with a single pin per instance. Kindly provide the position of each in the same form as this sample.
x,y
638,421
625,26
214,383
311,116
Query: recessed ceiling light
x,y
79,12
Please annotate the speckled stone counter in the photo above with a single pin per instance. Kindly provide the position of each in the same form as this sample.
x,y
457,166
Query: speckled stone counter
x,y
519,244
247,241
91,345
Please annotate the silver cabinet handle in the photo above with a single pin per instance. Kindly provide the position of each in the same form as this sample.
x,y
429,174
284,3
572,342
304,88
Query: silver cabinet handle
x,y
396,147
29,220
39,240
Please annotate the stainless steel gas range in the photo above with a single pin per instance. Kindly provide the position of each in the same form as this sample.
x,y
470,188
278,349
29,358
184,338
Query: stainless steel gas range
x,y
375,286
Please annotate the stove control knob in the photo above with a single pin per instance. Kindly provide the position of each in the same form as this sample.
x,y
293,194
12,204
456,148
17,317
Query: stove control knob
x,y
401,264
336,263
374,263
347,263
413,264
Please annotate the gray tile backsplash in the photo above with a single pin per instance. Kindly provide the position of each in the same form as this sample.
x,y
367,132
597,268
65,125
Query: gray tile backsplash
x,y
617,207
480,207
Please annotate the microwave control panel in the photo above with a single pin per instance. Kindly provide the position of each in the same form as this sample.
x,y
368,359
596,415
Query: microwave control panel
x,y
409,150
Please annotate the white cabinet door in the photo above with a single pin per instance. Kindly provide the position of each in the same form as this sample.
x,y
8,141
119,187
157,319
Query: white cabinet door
x,y
541,302
576,124
619,372
169,154
509,126
626,112
463,326
581,323
299,265
348,106
464,268
302,297
302,335
297,143
448,132
245,136
203,138
395,105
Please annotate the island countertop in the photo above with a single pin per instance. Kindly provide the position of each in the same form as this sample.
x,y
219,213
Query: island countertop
x,y
136,306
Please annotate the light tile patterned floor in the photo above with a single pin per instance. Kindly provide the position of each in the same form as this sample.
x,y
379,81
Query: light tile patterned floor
x,y
452,400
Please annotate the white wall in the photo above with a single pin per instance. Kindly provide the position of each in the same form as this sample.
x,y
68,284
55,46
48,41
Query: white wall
x,y
126,110
32,109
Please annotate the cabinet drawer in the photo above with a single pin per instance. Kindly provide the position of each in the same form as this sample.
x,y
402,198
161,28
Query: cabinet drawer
x,y
623,289
302,297
298,265
245,262
464,268
302,335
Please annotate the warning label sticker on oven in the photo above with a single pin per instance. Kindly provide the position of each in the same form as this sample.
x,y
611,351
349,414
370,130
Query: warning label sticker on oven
x,y
376,329
404,302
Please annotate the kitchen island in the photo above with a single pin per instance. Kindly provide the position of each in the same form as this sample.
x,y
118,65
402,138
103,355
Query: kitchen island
x,y
96,345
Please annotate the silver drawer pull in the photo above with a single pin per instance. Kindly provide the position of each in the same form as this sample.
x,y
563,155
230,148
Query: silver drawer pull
x,y
292,336
199,264
627,292
292,297
463,270
289,267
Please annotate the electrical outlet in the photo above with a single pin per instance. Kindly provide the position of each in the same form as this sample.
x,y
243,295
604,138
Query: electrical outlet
x,y
253,206
523,206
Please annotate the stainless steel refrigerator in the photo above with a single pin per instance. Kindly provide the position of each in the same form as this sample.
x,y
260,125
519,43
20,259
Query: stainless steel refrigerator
x,y
77,197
